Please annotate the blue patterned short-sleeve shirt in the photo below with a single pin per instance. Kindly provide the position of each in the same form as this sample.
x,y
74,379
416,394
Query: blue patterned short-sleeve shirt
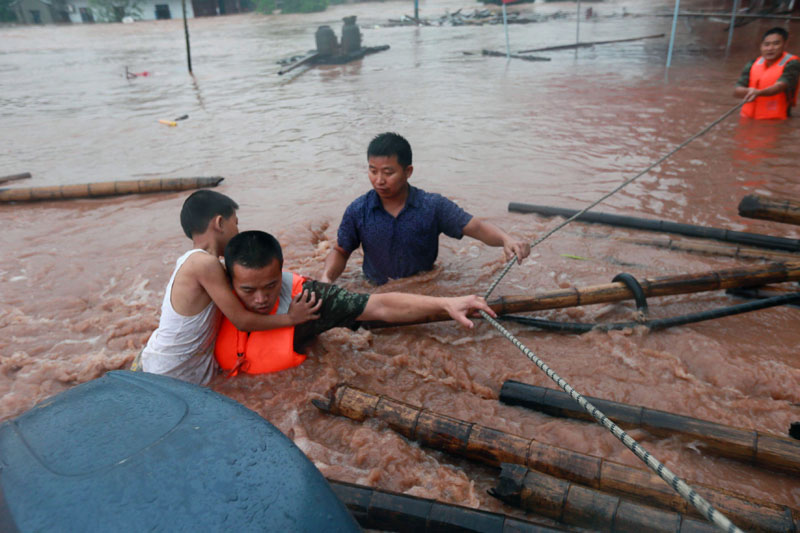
x,y
402,246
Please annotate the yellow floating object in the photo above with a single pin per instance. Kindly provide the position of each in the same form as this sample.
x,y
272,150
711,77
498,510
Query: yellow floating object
x,y
170,123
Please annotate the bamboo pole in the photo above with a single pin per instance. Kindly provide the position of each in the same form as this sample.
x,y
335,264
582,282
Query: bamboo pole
x,y
729,250
107,188
786,211
493,447
585,45
492,53
762,449
15,177
391,511
652,287
664,226
580,506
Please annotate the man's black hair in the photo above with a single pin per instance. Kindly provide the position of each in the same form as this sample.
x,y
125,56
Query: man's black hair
x,y
389,144
252,249
201,206
780,31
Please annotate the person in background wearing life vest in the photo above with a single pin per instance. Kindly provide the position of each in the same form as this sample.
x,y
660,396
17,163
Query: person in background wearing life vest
x,y
768,84
254,262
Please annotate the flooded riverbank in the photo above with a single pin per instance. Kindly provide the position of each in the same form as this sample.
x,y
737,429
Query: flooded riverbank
x,y
82,281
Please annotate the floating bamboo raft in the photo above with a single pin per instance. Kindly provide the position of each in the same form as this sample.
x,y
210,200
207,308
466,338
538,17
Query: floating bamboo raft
x,y
580,506
768,451
664,226
494,447
754,206
390,511
106,188
15,177
617,291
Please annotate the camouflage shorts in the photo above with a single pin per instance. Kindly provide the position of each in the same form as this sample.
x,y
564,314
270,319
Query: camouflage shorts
x,y
340,308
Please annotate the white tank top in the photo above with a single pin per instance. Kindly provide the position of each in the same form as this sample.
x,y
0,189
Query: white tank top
x,y
183,346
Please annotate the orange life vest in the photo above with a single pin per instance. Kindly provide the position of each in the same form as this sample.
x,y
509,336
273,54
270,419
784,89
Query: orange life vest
x,y
260,352
761,77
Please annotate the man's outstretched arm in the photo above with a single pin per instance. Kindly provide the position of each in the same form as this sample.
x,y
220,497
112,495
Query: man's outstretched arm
x,y
488,233
398,307
334,264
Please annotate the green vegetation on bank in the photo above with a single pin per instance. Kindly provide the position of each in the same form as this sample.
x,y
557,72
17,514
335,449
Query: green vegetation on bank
x,y
6,13
291,6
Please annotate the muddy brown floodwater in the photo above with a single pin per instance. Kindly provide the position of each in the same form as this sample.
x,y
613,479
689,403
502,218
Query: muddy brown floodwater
x,y
82,281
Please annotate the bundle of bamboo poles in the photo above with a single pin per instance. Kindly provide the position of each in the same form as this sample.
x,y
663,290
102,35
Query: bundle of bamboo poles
x,y
753,276
769,451
663,226
575,505
106,188
754,206
390,511
494,447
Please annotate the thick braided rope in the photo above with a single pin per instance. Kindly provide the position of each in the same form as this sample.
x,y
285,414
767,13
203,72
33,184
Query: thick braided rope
x,y
607,195
680,486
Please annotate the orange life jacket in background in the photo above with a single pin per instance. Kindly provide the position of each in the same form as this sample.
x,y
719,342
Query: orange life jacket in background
x,y
260,352
761,77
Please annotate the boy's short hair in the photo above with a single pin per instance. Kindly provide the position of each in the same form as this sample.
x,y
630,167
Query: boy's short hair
x,y
389,144
203,205
252,249
780,31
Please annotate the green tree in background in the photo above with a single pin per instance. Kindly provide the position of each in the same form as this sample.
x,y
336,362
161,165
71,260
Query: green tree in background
x,y
265,6
303,6
115,10
6,13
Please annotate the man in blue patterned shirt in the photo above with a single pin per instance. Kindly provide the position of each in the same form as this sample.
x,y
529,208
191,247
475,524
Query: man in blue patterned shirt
x,y
398,225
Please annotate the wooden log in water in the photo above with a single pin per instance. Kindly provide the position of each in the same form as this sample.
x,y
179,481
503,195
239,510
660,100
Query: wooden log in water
x,y
493,447
580,506
728,250
752,276
106,188
664,226
392,511
15,177
492,53
762,449
754,206
308,58
586,45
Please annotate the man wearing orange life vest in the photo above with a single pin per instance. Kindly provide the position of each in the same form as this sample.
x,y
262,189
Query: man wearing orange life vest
x,y
254,262
768,84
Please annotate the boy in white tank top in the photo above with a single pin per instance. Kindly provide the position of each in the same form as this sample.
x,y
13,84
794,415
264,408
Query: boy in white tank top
x,y
183,344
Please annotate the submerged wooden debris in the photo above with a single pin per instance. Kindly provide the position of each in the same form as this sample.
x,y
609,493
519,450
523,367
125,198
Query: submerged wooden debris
x,y
494,447
777,210
663,226
513,56
477,17
383,510
762,449
15,177
575,505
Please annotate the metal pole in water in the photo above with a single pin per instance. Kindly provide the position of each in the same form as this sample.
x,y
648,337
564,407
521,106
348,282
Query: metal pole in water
x,y
733,22
578,25
416,10
186,32
505,26
672,34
